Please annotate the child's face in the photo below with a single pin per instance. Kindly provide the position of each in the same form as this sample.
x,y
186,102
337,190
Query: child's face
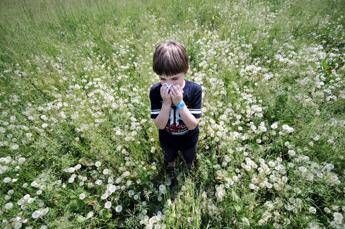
x,y
172,80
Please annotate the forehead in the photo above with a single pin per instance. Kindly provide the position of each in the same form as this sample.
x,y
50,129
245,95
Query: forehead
x,y
170,77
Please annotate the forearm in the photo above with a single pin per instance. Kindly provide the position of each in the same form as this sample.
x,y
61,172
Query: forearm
x,y
163,116
188,118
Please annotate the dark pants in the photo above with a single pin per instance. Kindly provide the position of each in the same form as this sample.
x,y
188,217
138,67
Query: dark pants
x,y
187,144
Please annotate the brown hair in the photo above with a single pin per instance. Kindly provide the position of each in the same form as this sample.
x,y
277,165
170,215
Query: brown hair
x,y
170,58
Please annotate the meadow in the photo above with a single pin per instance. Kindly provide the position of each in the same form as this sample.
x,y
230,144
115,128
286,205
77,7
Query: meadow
x,y
78,147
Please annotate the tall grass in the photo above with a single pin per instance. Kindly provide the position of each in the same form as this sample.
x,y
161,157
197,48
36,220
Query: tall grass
x,y
75,132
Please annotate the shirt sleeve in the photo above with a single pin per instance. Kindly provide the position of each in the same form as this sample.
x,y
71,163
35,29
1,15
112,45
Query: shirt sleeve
x,y
195,106
155,103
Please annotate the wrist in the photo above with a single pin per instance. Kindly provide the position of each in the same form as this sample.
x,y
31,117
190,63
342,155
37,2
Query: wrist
x,y
166,104
180,105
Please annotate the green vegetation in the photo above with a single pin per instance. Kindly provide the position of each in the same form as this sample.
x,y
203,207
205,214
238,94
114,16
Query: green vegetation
x,y
78,148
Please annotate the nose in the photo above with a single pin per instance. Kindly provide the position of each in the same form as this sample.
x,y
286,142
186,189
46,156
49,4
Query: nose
x,y
169,82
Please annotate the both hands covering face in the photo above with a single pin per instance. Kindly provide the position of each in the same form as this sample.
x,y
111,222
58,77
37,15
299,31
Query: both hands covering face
x,y
171,93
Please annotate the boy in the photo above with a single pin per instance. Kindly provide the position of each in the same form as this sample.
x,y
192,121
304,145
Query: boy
x,y
175,105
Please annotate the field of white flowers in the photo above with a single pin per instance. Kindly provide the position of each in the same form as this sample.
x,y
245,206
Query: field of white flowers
x,y
78,147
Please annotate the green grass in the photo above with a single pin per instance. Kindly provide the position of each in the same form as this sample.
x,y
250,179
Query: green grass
x,y
74,81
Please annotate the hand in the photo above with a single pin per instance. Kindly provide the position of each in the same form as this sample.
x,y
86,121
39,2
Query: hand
x,y
166,95
176,94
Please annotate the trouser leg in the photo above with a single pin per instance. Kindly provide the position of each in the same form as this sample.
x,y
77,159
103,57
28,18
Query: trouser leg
x,y
189,155
170,156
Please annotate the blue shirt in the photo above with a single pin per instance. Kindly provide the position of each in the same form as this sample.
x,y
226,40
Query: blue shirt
x,y
192,97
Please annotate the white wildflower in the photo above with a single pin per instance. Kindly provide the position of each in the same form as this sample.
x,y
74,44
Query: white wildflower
x,y
131,193
44,117
245,221
106,171
107,205
8,206
21,160
118,208
7,180
69,170
274,125
82,196
220,192
252,186
110,180
262,127
338,218
14,146
312,210
98,182
291,153
162,189
36,214
111,188
89,215
327,210
287,129
7,197
313,225
126,174
98,164
72,177
40,213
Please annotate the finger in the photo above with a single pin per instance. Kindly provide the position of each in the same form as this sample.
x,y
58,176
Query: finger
x,y
166,92
177,89
162,89
175,93
174,89
180,88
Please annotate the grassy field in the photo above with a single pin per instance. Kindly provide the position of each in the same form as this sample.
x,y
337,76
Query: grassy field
x,y
78,148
